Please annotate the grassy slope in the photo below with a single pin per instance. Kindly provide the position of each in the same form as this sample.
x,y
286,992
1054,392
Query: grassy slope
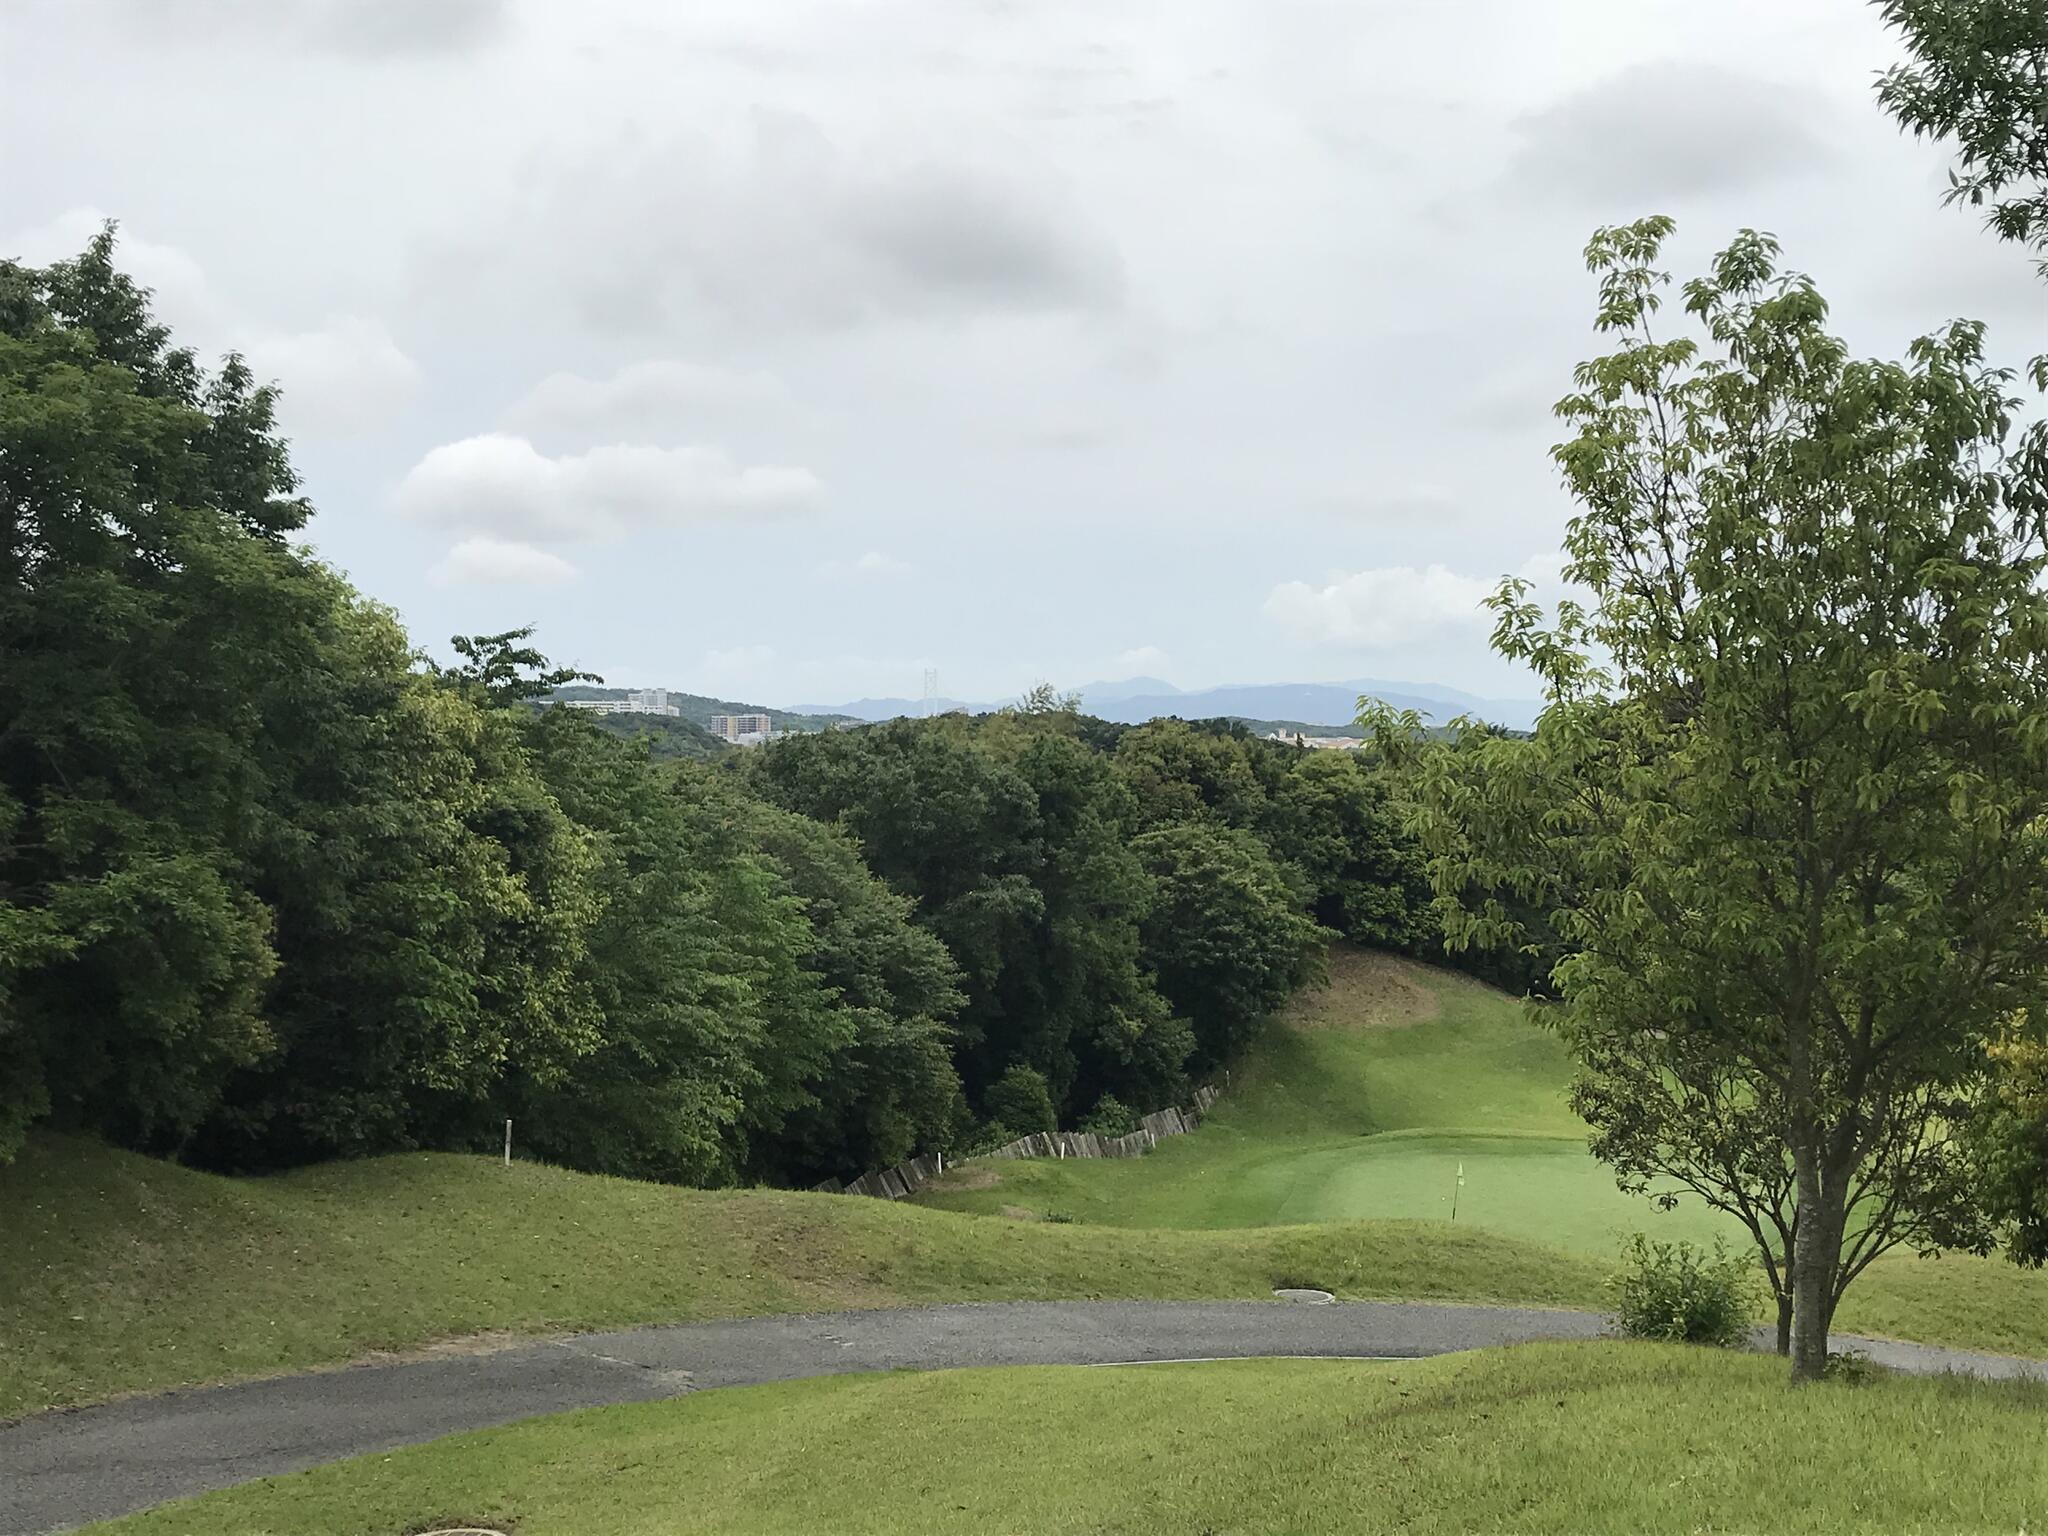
x,y
1361,1104
121,1273
1580,1439
1368,1096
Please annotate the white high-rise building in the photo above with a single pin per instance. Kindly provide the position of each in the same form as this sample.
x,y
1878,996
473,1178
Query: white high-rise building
x,y
651,701
642,701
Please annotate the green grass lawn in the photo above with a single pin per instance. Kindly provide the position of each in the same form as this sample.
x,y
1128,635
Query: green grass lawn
x,y
1580,1439
121,1273
1361,1104
1364,1100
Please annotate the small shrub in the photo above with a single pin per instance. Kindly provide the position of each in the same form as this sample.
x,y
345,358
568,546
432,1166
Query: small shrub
x,y
1110,1118
1063,1217
984,1140
1020,1098
1679,1291
1852,1367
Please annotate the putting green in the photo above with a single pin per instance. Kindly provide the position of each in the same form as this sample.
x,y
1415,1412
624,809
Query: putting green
x,y
1365,1101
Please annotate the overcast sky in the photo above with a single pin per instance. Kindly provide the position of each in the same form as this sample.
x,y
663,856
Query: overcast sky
x,y
781,349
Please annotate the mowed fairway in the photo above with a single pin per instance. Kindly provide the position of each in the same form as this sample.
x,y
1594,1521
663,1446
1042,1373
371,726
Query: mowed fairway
x,y
1583,1439
1362,1103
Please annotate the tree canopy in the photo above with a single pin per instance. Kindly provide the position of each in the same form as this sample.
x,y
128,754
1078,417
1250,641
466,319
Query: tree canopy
x,y
1979,76
276,887
1785,803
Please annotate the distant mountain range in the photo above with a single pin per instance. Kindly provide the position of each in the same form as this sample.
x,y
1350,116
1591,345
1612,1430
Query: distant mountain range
x,y
1137,699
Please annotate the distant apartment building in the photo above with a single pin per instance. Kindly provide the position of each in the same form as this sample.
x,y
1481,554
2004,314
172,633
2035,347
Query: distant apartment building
x,y
643,701
1318,743
740,727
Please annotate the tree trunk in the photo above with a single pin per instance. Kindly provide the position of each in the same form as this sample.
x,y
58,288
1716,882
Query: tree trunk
x,y
1813,1265
1785,1323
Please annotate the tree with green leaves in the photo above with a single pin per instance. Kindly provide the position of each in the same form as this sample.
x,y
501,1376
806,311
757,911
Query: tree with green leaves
x,y
266,891
432,904
1788,799
1979,76
144,508
1332,817
672,969
1019,1103
2008,1137
1011,836
1225,935
1180,772
889,1088
1041,698
502,670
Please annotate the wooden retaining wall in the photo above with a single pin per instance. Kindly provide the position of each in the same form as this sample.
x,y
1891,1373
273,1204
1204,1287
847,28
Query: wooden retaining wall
x,y
907,1178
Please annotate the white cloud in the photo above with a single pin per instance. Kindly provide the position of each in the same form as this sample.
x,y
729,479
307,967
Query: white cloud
x,y
1385,606
501,482
364,29
656,401
1666,129
764,221
342,378
347,377
1062,293
872,566
484,562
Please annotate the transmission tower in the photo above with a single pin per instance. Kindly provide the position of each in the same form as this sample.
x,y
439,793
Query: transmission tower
x,y
931,690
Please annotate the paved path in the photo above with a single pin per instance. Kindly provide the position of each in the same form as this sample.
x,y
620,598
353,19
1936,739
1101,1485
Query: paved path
x,y
64,1469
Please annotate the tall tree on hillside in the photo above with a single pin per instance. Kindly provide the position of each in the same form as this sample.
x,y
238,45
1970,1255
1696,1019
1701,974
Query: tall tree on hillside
x,y
683,1030
143,564
1793,823
1225,935
432,904
1011,837
1332,818
1979,76
888,1088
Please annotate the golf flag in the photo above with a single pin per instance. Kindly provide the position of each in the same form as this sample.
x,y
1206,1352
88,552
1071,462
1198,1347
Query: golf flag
x,y
1461,1175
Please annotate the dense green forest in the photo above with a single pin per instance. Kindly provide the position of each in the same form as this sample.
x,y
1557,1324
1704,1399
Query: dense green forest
x,y
274,887
666,738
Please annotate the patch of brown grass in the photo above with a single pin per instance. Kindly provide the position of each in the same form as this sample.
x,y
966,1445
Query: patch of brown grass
x,y
1368,990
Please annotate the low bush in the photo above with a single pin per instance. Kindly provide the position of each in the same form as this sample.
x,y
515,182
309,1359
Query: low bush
x,y
1852,1367
1110,1117
1021,1100
983,1141
1682,1292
